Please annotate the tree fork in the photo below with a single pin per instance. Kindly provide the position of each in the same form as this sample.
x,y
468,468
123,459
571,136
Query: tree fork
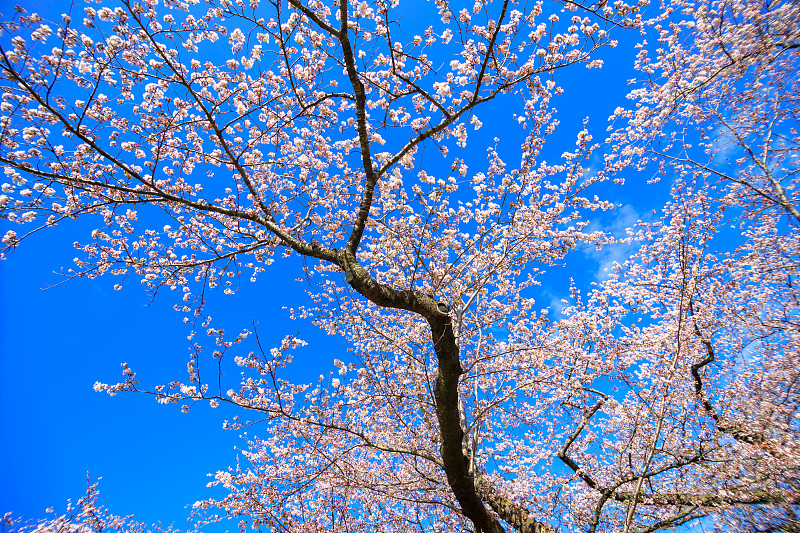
x,y
446,387
470,495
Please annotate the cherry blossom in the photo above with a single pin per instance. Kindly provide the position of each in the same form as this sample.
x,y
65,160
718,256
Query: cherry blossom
x,y
209,140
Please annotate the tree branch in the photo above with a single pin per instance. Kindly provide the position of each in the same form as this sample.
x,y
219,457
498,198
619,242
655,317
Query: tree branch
x,y
512,513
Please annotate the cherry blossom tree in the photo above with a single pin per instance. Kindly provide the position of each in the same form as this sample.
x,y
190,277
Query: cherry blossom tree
x,y
85,515
210,140
718,109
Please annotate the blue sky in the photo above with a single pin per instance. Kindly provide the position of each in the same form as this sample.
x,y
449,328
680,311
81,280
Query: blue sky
x,y
153,460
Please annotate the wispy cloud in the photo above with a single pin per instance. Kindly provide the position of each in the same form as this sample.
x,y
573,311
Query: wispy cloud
x,y
617,225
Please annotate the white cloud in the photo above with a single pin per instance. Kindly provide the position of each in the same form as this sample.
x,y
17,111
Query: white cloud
x,y
623,218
